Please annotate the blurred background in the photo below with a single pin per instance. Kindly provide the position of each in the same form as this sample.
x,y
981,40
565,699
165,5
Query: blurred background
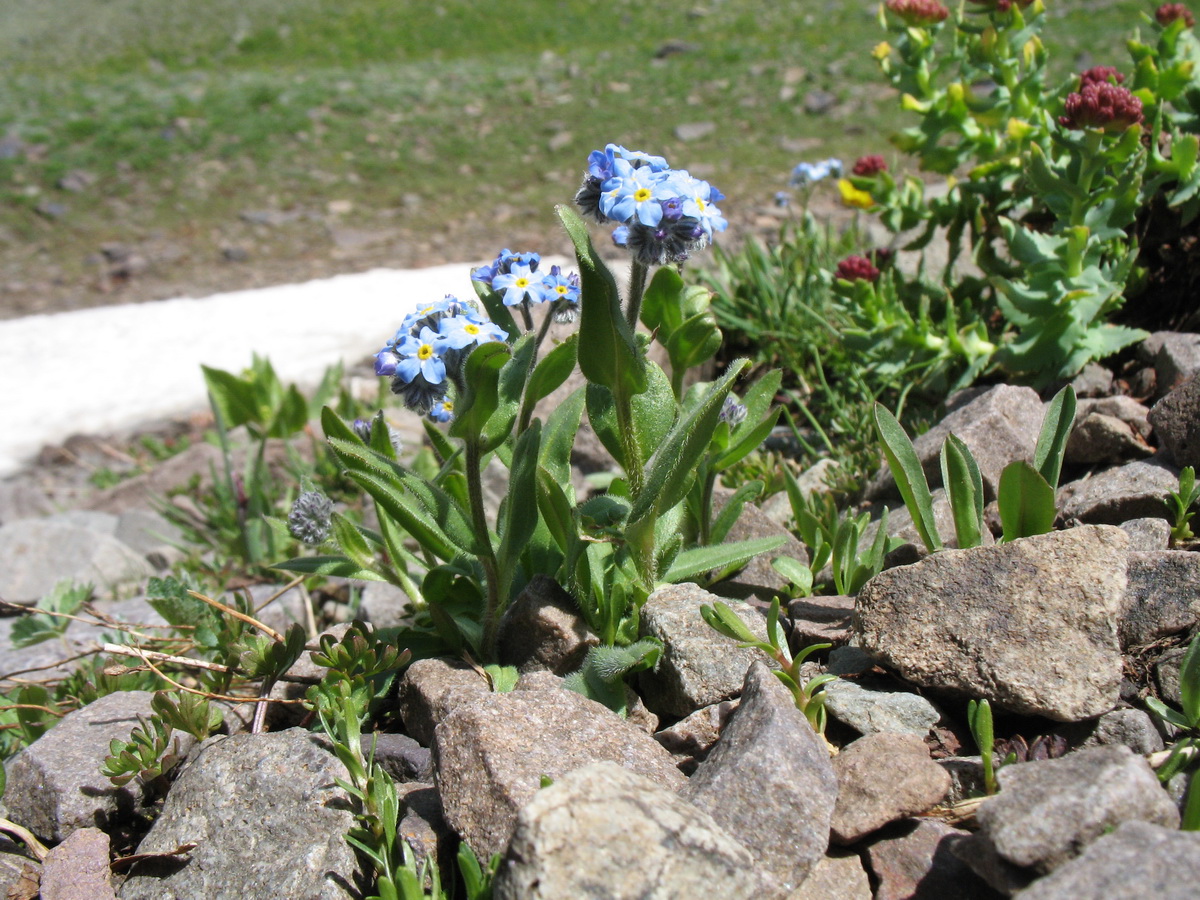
x,y
152,149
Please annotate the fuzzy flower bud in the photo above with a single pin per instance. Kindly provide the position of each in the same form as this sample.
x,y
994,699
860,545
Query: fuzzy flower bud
x,y
1103,106
856,268
308,522
1169,12
918,13
733,412
866,166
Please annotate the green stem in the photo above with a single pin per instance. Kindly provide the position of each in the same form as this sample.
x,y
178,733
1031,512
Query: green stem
x,y
491,619
1089,165
637,287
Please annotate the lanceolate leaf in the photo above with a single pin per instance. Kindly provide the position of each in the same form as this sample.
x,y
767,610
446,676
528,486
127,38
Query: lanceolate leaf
x,y
482,376
910,477
964,485
558,437
608,353
1052,441
337,566
699,560
1189,683
520,507
553,370
1026,501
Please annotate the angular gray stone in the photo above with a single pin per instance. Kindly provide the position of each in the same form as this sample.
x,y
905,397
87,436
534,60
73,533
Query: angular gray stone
x,y
819,620
1137,860
1030,624
1093,381
383,605
607,833
1098,439
869,708
881,778
1047,812
913,861
691,738
21,500
151,535
699,666
543,629
36,554
1176,422
769,782
1131,727
1147,534
1161,598
267,818
492,750
55,786
423,826
1000,425
1176,357
400,756
1136,490
77,869
1128,410
430,689
837,876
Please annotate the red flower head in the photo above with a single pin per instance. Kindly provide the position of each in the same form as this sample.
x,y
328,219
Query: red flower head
x,y
1169,12
867,166
856,268
1103,106
919,13
1100,75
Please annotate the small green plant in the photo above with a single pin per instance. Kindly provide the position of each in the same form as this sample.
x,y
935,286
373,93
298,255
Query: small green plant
x,y
1181,502
1185,752
1025,493
979,720
602,675
809,696
52,616
151,753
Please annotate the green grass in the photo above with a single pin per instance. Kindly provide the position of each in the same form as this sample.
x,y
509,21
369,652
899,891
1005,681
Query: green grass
x,y
443,114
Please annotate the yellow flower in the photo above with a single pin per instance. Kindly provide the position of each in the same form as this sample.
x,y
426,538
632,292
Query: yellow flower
x,y
882,50
852,196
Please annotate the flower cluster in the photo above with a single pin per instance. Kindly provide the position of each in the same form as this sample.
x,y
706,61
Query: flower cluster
x,y
807,173
515,276
918,13
1100,75
662,214
1170,12
856,268
309,519
427,354
1101,105
866,166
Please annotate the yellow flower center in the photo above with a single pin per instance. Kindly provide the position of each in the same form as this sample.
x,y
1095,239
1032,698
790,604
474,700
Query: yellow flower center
x,y
641,195
426,352
561,288
700,204
448,406
471,329
522,282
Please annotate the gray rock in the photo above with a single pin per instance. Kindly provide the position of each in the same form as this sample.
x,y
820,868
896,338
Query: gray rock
x,y
383,605
267,818
400,756
423,826
198,461
287,608
999,425
1176,421
1093,381
21,500
1047,812
769,781
77,869
151,535
1030,624
36,554
691,738
492,750
966,777
1098,439
641,840
691,131
1161,597
819,620
868,708
699,666
757,582
1147,534
1128,410
542,629
881,778
913,861
430,689
1135,490
55,786
1167,670
1131,727
1176,357
1135,861
837,876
